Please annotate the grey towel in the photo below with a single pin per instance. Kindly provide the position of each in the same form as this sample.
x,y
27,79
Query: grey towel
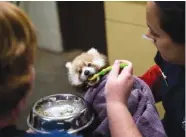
x,y
141,105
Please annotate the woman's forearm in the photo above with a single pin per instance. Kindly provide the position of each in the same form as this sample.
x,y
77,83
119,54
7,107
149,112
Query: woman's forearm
x,y
120,121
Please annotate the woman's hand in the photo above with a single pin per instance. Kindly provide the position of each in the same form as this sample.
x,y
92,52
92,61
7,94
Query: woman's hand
x,y
30,131
118,86
118,89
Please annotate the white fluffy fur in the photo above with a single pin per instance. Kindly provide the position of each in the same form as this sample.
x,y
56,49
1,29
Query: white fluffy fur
x,y
68,65
92,51
77,79
99,62
74,79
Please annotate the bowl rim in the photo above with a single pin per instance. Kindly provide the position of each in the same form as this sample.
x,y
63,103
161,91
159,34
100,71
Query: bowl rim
x,y
62,117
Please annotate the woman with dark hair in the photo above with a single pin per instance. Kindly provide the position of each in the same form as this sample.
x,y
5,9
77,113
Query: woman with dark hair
x,y
166,23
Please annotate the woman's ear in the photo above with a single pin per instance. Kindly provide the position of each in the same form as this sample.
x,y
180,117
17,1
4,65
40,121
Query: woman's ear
x,y
33,73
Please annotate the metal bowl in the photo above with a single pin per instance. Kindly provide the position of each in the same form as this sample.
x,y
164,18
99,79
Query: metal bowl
x,y
61,112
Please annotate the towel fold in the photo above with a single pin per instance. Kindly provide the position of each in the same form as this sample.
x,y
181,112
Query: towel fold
x,y
141,105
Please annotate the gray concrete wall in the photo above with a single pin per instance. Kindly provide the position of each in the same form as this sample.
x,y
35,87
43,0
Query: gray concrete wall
x,y
45,17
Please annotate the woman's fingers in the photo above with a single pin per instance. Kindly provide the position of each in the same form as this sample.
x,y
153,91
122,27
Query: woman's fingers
x,y
128,70
118,86
129,67
115,70
30,131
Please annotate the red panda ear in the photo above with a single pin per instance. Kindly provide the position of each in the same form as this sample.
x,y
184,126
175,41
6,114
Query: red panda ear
x,y
68,65
92,51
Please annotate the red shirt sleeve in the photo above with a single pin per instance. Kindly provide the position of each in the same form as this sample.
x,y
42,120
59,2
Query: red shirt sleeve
x,y
152,75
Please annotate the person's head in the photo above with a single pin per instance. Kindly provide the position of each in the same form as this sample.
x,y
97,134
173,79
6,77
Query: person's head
x,y
17,51
166,22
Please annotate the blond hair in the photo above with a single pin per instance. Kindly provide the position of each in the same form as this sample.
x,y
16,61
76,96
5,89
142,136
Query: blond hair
x,y
17,52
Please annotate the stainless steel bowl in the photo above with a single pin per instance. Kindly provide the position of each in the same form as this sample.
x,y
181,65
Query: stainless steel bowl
x,y
61,112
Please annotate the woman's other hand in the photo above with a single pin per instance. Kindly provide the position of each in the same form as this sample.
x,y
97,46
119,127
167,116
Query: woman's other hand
x,y
119,85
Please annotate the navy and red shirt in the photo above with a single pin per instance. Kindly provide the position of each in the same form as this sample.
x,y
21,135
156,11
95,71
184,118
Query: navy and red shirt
x,y
171,91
